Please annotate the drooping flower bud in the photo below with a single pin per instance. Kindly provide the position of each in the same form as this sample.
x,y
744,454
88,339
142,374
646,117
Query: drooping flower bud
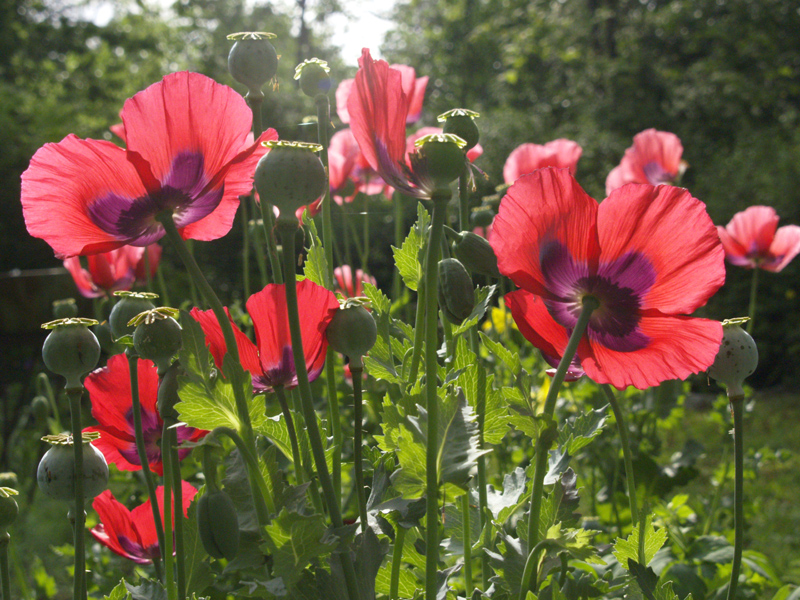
x,y
456,291
218,524
129,305
289,176
474,252
40,407
313,76
352,330
461,122
157,336
253,60
56,472
71,349
737,358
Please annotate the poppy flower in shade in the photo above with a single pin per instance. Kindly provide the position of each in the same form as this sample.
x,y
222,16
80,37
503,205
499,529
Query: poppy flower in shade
x,y
132,533
654,158
107,272
344,281
112,407
270,360
189,150
413,88
648,255
561,153
753,239
153,252
349,172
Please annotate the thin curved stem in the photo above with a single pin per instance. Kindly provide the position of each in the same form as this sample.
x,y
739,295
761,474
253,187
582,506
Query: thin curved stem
x,y
5,572
737,408
397,560
177,490
751,311
622,428
287,417
419,334
168,548
258,486
358,416
546,439
136,409
78,590
467,526
532,560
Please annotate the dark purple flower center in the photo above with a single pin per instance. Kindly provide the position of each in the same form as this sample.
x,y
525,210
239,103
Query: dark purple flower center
x,y
151,431
618,286
133,219
135,548
283,373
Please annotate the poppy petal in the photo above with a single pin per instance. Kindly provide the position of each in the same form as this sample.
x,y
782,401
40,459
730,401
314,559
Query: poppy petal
x,y
540,211
784,248
215,340
526,158
83,281
61,184
115,526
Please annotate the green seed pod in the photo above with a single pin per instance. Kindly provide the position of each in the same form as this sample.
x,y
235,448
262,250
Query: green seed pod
x,y
129,305
443,158
737,358
218,524
252,60
56,472
290,175
476,254
71,350
8,507
40,407
65,309
102,332
8,479
352,331
461,122
313,76
456,292
482,217
157,337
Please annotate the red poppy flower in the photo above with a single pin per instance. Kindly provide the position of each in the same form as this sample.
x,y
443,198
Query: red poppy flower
x,y
270,360
112,407
132,533
344,281
413,88
654,158
753,239
153,258
561,153
107,272
189,150
649,255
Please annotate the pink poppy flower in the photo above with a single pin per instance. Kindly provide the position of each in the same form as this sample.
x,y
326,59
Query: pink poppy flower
x,y
270,360
753,239
654,158
649,255
107,272
413,87
132,533
189,150
344,281
526,158
112,407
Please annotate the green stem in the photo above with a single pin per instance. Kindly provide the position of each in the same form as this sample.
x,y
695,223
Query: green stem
x,y
431,395
751,311
287,417
162,286
463,199
712,510
167,549
483,498
419,334
177,490
78,590
533,559
397,560
398,242
255,100
365,230
148,281
737,408
335,420
258,250
465,520
136,409
547,437
622,428
242,409
5,572
258,486
287,229
245,246
268,224
357,370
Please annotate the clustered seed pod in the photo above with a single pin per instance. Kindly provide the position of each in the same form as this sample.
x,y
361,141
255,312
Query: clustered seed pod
x,y
129,305
218,524
56,472
71,349
252,60
313,76
290,175
461,122
352,330
157,336
456,291
737,358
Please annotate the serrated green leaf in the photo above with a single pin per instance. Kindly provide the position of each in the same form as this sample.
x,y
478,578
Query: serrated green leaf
x,y
508,563
580,431
381,370
296,540
510,497
147,590
508,358
483,297
380,302
407,257
315,267
628,549
561,503
194,355
120,592
275,429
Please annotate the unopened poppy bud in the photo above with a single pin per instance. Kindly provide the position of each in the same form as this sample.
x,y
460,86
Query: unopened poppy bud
x,y
482,217
71,349
252,60
475,253
461,122
443,157
168,392
40,407
157,336
313,76
65,309
737,358
290,175
9,509
130,304
56,472
352,330
456,292
218,524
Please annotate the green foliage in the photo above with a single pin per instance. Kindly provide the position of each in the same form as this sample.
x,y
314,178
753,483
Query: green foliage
x,y
628,549
409,258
